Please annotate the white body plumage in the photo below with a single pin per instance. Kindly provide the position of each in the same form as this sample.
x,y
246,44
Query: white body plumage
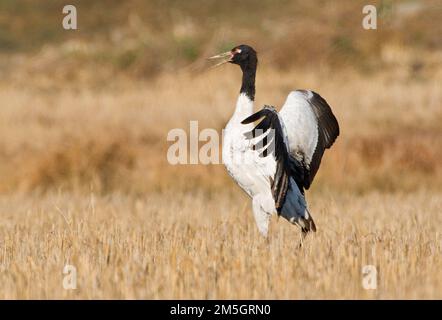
x,y
253,173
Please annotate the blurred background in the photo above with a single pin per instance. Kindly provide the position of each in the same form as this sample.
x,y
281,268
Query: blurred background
x,y
93,105
84,116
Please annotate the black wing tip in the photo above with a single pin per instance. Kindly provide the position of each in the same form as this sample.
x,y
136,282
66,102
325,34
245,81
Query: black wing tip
x,y
309,226
259,114
247,120
329,119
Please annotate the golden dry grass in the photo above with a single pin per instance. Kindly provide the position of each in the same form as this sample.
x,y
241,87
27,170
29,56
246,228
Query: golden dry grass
x,y
191,246
85,180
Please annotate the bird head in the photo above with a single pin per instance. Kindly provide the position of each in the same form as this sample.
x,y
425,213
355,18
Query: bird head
x,y
242,55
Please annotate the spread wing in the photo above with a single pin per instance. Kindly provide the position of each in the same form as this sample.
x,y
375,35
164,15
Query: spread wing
x,y
311,128
302,130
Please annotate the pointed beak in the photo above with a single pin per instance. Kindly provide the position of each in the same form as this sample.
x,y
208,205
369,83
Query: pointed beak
x,y
226,57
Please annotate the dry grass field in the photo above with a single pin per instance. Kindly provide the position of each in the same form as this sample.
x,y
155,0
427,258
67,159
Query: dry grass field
x,y
182,245
85,180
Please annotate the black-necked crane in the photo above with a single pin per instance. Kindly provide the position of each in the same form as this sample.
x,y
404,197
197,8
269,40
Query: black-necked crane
x,y
286,147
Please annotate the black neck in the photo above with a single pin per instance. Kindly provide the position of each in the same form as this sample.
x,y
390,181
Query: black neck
x,y
248,80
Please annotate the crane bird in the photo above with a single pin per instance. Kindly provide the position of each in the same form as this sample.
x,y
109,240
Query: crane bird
x,y
289,157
